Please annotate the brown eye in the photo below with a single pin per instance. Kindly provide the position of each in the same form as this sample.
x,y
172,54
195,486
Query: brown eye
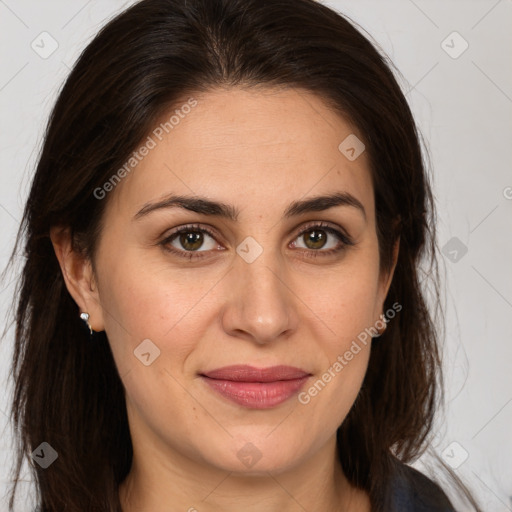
x,y
191,241
188,240
315,238
323,237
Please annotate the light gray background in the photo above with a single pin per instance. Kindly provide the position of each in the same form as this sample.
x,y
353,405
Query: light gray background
x,y
463,106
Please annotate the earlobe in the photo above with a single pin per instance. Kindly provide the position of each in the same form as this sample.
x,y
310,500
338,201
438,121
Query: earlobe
x,y
78,276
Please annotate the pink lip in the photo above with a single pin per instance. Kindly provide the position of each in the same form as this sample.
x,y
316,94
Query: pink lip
x,y
256,388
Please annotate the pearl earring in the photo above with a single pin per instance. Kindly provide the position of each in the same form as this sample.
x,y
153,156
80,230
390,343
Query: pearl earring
x,y
85,318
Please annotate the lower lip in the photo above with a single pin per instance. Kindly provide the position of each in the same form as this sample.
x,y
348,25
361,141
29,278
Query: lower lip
x,y
256,395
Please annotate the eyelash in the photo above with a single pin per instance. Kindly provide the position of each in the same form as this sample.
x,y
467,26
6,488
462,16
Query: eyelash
x,y
310,253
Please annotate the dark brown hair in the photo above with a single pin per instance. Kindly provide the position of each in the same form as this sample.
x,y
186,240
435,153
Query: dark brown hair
x,y
146,60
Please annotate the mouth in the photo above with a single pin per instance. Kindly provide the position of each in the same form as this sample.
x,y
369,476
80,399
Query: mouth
x,y
256,388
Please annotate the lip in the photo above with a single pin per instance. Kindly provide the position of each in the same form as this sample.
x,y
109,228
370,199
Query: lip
x,y
256,388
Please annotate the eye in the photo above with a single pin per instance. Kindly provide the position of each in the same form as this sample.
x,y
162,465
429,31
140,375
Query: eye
x,y
321,238
193,241
187,240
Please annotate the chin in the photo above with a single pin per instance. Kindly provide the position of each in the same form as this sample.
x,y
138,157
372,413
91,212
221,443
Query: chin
x,y
259,456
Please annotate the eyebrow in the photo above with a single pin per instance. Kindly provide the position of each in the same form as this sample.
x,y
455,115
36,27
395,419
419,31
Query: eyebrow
x,y
206,206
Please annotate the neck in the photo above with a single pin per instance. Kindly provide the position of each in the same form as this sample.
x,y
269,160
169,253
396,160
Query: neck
x,y
157,482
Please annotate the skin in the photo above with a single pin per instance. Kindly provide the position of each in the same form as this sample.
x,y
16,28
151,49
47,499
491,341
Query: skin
x,y
258,150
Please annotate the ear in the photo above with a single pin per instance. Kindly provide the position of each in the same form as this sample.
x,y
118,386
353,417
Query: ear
x,y
391,272
78,276
387,278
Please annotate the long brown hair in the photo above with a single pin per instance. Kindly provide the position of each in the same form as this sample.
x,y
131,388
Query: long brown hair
x,y
68,392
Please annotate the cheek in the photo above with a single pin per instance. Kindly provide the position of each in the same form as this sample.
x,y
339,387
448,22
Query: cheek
x,y
142,300
342,354
164,315
345,305
345,312
346,350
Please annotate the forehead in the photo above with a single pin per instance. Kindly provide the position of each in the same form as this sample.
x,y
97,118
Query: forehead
x,y
247,146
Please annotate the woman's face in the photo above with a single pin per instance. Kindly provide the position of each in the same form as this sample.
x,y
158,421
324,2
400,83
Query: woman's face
x,y
261,287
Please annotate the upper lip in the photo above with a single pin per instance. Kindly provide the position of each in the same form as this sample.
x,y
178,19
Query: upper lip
x,y
246,373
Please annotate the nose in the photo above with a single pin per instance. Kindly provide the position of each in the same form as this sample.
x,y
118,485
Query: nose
x,y
260,306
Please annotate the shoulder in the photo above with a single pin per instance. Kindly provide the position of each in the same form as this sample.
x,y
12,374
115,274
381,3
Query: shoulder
x,y
412,491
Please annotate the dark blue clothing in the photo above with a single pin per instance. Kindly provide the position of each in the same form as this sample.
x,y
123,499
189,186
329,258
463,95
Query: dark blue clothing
x,y
412,491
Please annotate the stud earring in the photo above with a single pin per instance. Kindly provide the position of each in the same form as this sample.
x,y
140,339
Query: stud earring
x,y
85,318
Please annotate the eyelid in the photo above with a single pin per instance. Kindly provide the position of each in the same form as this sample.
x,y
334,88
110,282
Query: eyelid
x,y
333,228
190,228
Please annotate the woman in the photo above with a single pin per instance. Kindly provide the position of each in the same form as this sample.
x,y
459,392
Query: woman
x,y
220,306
